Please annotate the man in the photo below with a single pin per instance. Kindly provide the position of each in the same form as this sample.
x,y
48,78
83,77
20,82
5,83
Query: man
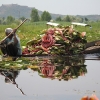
x,y
11,45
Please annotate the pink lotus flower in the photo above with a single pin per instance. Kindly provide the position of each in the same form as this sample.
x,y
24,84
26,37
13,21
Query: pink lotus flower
x,y
83,34
85,98
92,97
71,29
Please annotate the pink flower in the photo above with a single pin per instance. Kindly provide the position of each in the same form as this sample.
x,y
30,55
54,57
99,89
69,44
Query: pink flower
x,y
92,97
83,34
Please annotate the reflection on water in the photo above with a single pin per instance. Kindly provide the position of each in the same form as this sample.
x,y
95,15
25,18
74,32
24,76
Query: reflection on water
x,y
54,68
65,68
59,68
10,76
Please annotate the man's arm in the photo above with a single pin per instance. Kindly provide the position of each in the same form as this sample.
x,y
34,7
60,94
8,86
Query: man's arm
x,y
14,36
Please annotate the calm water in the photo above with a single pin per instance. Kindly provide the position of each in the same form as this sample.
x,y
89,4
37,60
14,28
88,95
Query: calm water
x,y
51,79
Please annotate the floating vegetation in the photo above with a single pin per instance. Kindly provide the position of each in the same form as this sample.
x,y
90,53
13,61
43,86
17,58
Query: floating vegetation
x,y
65,68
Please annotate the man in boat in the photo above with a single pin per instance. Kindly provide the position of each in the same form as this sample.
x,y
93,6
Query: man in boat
x,y
11,45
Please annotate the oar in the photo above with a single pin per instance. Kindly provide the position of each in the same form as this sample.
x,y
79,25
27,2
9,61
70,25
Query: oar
x,y
12,32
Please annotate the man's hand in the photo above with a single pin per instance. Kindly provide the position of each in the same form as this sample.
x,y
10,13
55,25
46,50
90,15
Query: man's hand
x,y
14,31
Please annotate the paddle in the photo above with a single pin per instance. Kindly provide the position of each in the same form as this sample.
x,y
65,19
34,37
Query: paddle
x,y
12,32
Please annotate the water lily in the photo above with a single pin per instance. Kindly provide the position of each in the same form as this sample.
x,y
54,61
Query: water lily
x,y
19,65
7,64
74,33
83,34
71,29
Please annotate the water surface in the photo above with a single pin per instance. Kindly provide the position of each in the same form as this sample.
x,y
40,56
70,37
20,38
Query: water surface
x,y
51,79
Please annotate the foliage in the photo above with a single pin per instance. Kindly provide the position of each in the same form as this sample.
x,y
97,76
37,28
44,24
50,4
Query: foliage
x,y
61,68
34,15
45,16
7,63
86,19
57,41
30,30
22,18
10,19
67,18
58,19
18,11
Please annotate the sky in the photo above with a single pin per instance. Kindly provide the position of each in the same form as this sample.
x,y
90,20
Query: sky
x,y
64,7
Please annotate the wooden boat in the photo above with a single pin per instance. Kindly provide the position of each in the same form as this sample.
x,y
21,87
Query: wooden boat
x,y
92,47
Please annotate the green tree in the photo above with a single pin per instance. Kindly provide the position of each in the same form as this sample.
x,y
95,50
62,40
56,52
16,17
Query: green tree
x,y
34,15
22,18
58,19
67,18
3,18
10,19
0,21
82,20
86,19
45,16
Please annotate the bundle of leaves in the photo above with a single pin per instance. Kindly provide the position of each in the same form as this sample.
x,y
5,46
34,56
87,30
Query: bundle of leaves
x,y
57,41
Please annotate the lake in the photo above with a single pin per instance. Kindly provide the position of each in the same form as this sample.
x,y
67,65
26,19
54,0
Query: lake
x,y
50,78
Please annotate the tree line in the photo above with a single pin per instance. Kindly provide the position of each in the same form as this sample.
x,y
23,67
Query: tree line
x,y
45,16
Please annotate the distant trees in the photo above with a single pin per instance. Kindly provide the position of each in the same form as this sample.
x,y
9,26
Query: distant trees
x,y
45,16
58,19
34,15
2,21
67,18
10,19
86,19
22,18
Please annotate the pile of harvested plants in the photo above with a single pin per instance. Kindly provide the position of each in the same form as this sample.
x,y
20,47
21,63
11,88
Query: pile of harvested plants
x,y
57,41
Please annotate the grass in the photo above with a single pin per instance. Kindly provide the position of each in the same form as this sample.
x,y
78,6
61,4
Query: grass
x,y
30,30
26,32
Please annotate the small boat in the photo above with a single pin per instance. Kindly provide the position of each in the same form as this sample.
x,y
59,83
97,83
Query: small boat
x,y
92,47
